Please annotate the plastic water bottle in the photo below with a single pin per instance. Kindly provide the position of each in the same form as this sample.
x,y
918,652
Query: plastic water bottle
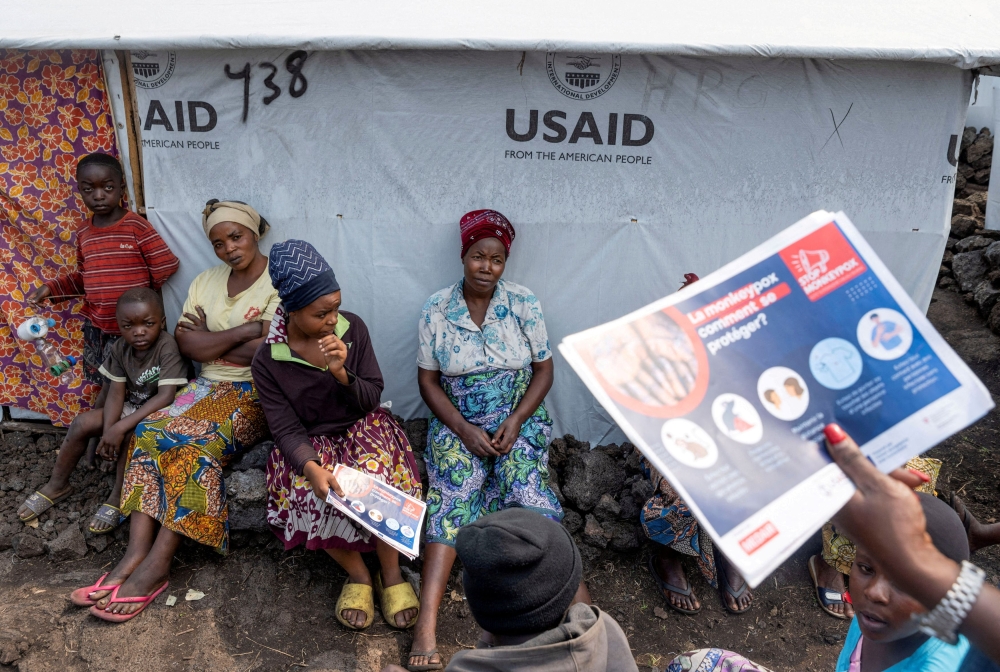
x,y
64,370
34,328
50,355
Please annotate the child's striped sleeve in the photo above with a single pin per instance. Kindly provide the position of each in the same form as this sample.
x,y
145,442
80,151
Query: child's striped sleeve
x,y
161,261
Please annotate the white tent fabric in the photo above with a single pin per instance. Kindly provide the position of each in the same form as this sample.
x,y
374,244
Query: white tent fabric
x,y
963,34
757,113
984,112
378,158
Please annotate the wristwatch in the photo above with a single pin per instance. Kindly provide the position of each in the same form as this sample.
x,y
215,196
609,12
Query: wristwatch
x,y
943,620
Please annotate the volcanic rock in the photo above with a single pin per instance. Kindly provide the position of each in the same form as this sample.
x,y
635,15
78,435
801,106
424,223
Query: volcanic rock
x,y
590,474
969,269
68,545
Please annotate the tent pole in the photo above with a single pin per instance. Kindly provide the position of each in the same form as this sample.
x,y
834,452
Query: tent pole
x,y
132,127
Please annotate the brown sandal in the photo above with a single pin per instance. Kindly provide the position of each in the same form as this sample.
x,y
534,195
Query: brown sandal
x,y
429,666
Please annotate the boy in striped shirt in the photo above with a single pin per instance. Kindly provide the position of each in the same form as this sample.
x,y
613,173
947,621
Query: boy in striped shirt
x,y
116,251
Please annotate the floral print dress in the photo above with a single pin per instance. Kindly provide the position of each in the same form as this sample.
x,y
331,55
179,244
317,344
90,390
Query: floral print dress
x,y
485,371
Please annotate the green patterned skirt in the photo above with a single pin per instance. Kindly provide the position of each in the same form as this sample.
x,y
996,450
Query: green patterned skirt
x,y
464,487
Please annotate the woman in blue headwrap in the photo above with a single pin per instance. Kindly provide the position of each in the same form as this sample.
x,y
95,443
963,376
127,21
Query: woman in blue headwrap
x,y
320,385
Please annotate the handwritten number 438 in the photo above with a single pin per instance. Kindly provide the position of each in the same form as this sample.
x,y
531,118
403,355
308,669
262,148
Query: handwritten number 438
x,y
296,86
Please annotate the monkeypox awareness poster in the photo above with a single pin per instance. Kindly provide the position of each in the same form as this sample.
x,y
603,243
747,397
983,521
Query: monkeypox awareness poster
x,y
726,385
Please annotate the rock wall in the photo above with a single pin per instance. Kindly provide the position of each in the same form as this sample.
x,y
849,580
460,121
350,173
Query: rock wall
x,y
62,531
601,490
971,262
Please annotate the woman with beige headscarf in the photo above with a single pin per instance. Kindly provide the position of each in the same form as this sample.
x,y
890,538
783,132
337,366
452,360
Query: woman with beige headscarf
x,y
173,484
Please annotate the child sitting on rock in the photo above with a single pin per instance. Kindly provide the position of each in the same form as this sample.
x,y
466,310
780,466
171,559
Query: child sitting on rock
x,y
144,368
116,250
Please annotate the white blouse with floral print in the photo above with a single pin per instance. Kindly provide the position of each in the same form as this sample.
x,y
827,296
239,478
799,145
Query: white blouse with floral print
x,y
512,336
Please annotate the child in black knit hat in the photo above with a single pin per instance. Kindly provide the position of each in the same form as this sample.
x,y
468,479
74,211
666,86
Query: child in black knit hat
x,y
522,571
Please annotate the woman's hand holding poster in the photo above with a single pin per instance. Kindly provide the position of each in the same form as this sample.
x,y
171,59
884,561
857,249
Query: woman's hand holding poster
x,y
726,385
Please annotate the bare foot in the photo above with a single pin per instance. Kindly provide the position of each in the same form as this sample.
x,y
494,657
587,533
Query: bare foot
x,y
731,576
49,490
668,568
829,578
424,640
143,581
90,457
973,528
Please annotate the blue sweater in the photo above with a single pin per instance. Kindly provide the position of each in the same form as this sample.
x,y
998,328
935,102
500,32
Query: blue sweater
x,y
933,656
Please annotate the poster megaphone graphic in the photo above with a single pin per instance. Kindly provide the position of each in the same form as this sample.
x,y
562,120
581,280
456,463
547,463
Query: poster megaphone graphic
x,y
814,259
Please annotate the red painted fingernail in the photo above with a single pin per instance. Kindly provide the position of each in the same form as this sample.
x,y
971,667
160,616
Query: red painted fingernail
x,y
921,475
847,598
834,434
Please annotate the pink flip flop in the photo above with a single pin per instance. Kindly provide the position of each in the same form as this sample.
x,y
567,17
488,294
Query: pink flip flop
x,y
121,618
81,596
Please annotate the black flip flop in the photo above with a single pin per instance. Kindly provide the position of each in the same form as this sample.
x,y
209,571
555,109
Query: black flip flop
x,y
723,578
673,589
825,596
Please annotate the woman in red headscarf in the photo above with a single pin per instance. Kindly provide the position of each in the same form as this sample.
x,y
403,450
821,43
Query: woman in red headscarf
x,y
485,366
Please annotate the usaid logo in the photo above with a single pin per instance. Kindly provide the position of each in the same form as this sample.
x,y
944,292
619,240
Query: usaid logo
x,y
583,76
152,69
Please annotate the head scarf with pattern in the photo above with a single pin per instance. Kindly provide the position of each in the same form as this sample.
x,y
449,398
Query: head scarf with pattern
x,y
480,224
300,274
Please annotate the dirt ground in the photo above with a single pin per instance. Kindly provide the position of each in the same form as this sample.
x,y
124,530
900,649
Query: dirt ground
x,y
268,610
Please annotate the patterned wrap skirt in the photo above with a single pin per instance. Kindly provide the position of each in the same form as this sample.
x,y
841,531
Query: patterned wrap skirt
x,y
713,660
174,474
464,487
667,520
838,550
376,445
